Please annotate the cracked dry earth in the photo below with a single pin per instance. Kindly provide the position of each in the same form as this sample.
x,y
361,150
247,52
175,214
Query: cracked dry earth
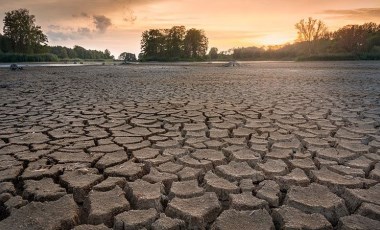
x,y
261,146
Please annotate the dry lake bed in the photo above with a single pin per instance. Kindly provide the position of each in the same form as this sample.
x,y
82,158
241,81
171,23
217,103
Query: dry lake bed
x,y
267,145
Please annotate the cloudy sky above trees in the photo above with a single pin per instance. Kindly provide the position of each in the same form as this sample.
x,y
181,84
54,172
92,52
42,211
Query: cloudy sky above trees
x,y
118,24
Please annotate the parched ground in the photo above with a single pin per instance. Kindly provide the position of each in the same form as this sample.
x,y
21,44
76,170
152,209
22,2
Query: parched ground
x,y
267,145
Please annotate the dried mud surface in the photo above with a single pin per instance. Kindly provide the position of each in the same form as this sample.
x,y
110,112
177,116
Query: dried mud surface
x,y
267,145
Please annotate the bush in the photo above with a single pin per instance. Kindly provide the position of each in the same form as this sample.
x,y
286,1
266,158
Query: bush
x,y
16,57
329,57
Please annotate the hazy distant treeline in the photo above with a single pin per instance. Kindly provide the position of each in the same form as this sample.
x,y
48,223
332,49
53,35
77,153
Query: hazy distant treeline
x,y
351,42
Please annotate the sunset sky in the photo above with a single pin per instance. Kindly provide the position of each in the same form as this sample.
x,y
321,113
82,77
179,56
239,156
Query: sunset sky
x,y
118,24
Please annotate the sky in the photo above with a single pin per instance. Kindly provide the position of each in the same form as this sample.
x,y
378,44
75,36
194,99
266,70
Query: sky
x,y
117,25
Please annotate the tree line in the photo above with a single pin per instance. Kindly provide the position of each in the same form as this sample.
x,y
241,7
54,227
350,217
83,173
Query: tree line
x,y
315,42
173,44
22,40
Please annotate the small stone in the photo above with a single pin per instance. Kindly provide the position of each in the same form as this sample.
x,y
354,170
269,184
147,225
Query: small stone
x,y
236,171
355,197
197,211
317,199
220,186
110,183
246,155
283,154
144,195
269,190
167,223
357,222
296,177
354,146
15,202
91,227
305,164
155,176
347,170
74,157
188,173
130,170
369,210
237,220
60,214
185,189
362,163
194,163
170,167
336,182
273,168
7,187
135,219
338,155
10,173
80,182
287,217
145,153
103,206
216,157
111,159
246,201
246,185
43,190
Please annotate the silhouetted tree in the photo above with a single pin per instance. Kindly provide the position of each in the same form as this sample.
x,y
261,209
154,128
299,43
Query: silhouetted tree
x,y
20,28
196,43
153,43
357,38
107,54
213,53
127,57
175,41
5,44
310,30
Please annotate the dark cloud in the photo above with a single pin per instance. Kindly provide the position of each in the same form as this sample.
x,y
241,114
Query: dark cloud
x,y
58,10
54,27
102,23
81,15
129,16
64,34
361,13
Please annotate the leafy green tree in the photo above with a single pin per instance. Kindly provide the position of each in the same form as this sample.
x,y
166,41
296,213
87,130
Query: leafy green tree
x,y
60,51
5,44
357,38
107,54
310,31
153,43
175,41
127,57
196,43
20,28
213,53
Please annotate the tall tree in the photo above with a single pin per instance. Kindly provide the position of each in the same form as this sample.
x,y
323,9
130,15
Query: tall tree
x,y
107,54
357,38
5,44
127,57
310,30
213,53
20,28
175,41
196,43
153,43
